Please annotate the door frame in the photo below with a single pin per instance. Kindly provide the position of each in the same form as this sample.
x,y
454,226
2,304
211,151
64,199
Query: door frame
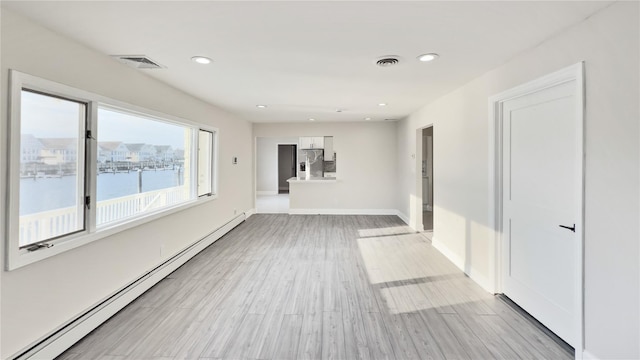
x,y
415,216
571,73
255,166
295,160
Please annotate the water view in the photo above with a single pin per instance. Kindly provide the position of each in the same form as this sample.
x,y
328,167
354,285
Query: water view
x,y
43,194
53,145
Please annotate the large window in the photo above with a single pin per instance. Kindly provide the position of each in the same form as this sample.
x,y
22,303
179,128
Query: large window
x,y
140,170
51,167
84,166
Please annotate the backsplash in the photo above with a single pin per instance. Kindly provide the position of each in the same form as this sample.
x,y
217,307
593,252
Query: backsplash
x,y
313,160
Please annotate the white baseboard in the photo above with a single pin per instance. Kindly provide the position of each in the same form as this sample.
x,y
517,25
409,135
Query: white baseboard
x,y
343,212
589,356
249,212
444,250
482,280
274,192
403,217
459,262
60,340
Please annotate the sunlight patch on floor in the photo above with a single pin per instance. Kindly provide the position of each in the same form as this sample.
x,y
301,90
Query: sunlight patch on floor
x,y
409,298
410,273
397,230
402,257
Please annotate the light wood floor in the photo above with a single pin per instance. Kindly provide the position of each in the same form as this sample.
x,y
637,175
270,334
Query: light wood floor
x,y
318,287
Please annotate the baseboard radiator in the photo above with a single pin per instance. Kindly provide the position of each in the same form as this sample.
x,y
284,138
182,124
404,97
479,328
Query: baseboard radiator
x,y
63,338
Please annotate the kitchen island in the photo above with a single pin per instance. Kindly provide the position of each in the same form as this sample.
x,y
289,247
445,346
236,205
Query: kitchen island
x,y
315,195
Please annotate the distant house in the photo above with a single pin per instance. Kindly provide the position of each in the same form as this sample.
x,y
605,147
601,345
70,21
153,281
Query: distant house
x,y
112,151
141,152
179,154
103,154
30,148
165,153
59,150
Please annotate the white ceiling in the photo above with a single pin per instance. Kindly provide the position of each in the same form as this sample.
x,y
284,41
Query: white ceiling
x,y
306,59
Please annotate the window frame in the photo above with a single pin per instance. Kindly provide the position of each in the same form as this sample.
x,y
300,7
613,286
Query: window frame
x,y
213,166
152,116
82,166
16,257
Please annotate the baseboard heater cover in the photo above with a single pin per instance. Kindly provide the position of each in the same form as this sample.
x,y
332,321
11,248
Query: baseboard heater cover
x,y
63,338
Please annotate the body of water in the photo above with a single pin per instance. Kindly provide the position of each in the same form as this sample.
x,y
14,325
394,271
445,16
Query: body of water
x,y
43,194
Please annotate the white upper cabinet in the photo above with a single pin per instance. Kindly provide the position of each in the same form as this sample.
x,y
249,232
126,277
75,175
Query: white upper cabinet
x,y
305,142
312,142
328,148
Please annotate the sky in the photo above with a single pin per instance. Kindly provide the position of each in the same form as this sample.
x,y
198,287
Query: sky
x,y
117,126
48,117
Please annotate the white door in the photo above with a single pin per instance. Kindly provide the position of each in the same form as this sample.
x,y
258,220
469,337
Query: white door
x,y
541,176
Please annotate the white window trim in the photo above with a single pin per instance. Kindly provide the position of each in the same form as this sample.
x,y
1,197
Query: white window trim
x,y
16,257
214,162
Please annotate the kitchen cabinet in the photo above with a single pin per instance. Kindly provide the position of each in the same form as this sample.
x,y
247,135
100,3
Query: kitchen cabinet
x,y
305,142
312,142
328,148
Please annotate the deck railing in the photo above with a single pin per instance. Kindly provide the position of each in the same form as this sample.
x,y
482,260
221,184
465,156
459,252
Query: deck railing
x,y
49,224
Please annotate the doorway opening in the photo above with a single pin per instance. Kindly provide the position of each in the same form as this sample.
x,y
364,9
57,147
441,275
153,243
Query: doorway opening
x,y
272,188
286,166
427,178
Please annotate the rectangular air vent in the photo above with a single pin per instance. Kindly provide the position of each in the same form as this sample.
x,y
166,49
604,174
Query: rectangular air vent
x,y
138,61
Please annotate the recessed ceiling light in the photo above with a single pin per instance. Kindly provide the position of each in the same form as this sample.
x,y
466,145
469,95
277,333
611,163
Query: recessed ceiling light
x,y
428,57
201,59
367,118
261,106
312,119
382,104
338,110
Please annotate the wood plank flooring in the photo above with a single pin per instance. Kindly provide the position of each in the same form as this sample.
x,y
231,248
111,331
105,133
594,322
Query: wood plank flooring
x,y
317,287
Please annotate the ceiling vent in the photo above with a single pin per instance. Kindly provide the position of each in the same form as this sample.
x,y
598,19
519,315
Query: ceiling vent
x,y
138,61
390,119
387,61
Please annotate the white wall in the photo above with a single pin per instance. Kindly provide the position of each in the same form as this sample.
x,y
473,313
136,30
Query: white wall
x,y
40,297
608,42
267,162
366,166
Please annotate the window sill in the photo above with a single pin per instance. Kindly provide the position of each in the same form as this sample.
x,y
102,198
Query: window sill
x,y
24,257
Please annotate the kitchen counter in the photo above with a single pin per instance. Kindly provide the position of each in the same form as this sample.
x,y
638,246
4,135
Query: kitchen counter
x,y
315,195
313,179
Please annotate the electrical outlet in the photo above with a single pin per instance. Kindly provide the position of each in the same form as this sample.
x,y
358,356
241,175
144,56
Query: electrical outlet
x,y
163,250
235,211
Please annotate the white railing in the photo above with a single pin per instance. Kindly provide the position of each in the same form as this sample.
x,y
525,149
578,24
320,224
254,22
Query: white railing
x,y
53,223
48,224
117,209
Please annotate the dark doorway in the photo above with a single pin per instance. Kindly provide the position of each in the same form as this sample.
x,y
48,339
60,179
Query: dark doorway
x,y
427,179
286,166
